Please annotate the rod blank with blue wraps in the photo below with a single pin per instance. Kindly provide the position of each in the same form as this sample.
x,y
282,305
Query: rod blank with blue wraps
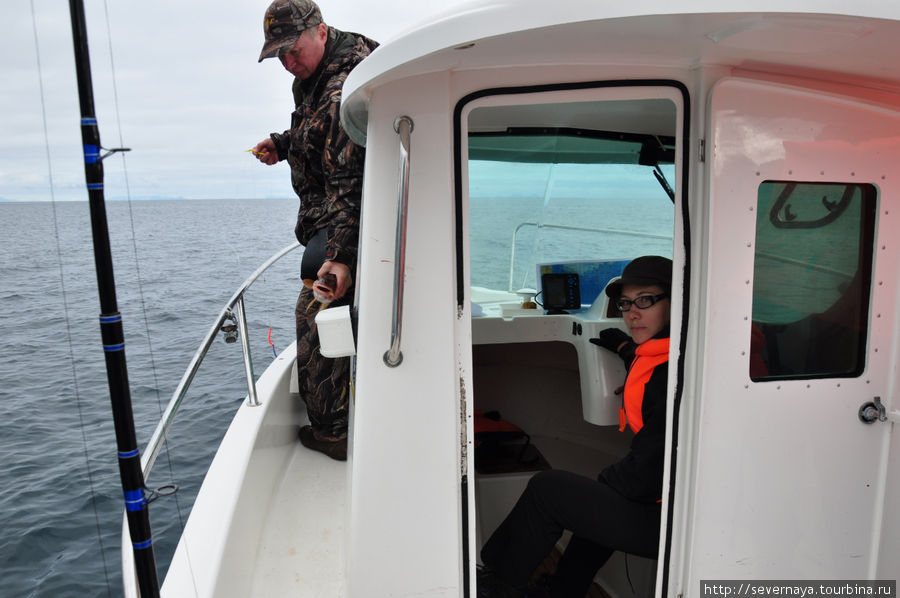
x,y
111,321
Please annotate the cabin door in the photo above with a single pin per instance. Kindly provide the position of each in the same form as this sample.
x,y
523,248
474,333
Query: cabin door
x,y
800,332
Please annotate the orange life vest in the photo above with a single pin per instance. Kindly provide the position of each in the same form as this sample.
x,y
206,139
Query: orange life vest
x,y
648,355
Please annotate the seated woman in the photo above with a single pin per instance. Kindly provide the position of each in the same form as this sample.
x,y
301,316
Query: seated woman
x,y
621,509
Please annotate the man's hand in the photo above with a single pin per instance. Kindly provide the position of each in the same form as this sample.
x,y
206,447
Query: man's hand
x,y
341,273
265,151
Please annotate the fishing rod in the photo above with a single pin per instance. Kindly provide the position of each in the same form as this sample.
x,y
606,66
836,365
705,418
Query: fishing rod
x,y
111,320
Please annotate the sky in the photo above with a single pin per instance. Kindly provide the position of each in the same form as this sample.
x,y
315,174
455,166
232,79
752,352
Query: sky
x,y
177,82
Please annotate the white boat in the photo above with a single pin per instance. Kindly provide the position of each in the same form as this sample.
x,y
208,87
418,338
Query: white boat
x,y
754,145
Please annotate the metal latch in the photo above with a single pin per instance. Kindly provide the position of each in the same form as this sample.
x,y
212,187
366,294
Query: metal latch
x,y
874,411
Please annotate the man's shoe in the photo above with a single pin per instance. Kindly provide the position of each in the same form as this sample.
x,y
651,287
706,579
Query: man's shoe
x,y
336,448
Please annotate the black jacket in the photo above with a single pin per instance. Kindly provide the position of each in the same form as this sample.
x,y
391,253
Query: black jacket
x,y
638,475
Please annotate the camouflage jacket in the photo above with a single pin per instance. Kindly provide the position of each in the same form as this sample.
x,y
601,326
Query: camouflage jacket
x,y
326,166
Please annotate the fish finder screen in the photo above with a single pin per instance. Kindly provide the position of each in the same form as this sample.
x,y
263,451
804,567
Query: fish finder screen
x,y
560,291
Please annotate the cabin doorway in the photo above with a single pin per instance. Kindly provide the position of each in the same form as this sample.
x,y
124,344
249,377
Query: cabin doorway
x,y
563,186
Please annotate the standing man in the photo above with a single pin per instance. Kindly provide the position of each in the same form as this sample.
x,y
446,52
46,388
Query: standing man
x,y
326,173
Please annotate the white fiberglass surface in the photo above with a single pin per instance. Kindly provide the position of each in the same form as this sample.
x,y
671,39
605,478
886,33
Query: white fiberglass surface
x,y
781,446
784,36
302,548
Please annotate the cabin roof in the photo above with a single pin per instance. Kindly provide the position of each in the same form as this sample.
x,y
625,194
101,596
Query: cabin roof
x,y
849,41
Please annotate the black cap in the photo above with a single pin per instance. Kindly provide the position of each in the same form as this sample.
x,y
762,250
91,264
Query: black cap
x,y
643,271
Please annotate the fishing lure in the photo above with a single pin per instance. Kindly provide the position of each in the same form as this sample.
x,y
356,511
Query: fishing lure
x,y
270,341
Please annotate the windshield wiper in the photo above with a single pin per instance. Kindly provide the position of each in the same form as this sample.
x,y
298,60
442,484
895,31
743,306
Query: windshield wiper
x,y
661,179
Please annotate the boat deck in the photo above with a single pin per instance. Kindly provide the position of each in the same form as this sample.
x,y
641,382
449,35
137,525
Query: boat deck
x,y
270,517
304,532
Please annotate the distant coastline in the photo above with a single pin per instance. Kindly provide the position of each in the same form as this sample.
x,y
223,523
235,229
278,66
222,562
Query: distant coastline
x,y
145,198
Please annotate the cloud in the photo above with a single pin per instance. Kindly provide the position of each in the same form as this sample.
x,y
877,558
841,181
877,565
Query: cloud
x,y
177,82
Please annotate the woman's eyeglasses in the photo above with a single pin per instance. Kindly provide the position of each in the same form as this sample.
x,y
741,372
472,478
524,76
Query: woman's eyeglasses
x,y
642,302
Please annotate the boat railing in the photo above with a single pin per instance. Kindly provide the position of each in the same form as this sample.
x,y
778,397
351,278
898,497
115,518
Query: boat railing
x,y
233,311
613,231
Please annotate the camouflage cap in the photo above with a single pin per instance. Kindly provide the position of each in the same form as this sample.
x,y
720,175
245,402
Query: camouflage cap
x,y
285,20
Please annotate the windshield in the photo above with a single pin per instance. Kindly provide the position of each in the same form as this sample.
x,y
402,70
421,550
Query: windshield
x,y
565,197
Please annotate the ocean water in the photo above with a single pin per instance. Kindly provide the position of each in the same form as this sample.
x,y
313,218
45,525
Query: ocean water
x,y
568,230
176,265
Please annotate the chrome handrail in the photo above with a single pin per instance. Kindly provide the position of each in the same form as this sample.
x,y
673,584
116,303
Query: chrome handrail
x,y
403,126
237,301
244,332
614,231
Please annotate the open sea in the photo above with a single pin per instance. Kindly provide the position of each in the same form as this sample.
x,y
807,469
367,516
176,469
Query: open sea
x,y
176,265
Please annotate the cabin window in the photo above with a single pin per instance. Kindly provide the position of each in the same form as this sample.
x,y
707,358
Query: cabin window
x,y
588,193
811,280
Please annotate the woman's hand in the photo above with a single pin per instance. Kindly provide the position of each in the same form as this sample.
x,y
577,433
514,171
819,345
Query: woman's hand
x,y
612,339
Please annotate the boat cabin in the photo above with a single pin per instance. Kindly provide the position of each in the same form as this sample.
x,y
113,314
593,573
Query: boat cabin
x,y
538,153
